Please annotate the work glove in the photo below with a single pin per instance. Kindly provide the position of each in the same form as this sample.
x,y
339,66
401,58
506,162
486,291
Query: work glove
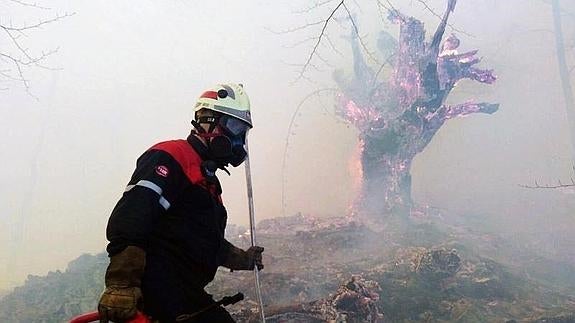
x,y
119,304
239,259
122,297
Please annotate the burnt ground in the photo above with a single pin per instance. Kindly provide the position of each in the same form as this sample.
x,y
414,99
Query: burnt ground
x,y
430,268
422,270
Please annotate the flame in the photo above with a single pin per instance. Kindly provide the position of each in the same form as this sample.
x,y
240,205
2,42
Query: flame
x,y
356,171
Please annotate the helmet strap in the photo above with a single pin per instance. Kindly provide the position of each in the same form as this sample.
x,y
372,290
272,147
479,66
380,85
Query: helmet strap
x,y
211,120
198,128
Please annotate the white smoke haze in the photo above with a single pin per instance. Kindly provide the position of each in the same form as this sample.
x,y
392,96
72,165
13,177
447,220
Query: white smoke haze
x,y
129,73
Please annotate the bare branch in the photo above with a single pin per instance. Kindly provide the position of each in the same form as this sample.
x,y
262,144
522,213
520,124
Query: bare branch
x,y
321,35
14,40
301,42
21,56
28,4
291,30
324,60
373,87
438,36
292,125
547,186
433,12
390,8
315,6
20,72
358,6
381,9
537,186
460,110
369,54
39,24
331,44
387,61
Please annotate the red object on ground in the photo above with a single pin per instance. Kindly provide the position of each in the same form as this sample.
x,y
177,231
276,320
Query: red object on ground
x,y
95,317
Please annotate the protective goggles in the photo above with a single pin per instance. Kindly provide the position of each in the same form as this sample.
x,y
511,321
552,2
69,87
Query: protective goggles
x,y
234,126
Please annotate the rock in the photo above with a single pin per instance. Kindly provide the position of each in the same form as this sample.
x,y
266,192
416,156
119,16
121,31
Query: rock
x,y
438,264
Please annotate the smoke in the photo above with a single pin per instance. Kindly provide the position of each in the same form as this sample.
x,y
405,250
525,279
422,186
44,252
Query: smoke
x,y
132,70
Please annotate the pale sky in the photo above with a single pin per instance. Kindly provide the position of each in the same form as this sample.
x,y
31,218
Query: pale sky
x,y
128,73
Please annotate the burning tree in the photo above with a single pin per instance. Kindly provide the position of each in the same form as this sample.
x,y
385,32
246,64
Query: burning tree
x,y
398,118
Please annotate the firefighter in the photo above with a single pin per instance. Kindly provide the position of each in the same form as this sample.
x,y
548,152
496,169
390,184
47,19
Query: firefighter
x,y
166,232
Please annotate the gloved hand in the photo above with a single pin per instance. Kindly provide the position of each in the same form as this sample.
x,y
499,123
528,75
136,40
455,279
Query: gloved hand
x,y
239,259
119,304
122,296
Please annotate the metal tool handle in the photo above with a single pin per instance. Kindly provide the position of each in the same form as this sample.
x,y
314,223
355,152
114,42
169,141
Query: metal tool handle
x,y
253,228
227,300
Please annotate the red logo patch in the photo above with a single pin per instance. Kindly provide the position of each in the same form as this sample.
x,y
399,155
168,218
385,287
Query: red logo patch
x,y
162,171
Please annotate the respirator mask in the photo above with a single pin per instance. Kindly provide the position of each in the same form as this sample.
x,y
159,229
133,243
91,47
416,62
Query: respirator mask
x,y
227,146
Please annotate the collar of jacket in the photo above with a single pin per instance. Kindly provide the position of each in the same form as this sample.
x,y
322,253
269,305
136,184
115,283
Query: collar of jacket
x,y
203,151
198,146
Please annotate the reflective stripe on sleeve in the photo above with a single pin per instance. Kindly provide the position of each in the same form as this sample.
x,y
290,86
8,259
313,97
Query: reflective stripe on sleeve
x,y
151,185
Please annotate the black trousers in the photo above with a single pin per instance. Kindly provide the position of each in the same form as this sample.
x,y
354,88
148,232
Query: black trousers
x,y
168,295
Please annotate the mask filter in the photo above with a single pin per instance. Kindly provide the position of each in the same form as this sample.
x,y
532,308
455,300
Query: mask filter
x,y
226,149
220,147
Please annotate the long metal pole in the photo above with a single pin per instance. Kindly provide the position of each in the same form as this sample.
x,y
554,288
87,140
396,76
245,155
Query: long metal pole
x,y
253,228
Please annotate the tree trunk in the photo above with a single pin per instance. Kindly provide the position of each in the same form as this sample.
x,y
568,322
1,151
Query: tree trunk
x,y
564,73
397,119
386,186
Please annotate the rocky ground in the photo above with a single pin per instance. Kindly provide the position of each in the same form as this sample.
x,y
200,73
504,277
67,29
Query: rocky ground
x,y
425,269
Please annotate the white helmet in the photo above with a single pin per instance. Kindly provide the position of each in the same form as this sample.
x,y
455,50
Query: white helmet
x,y
230,99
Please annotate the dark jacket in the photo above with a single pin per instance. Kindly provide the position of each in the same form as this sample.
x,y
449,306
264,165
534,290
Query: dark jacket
x,y
172,208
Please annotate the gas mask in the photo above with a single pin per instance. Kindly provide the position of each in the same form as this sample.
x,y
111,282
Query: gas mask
x,y
228,146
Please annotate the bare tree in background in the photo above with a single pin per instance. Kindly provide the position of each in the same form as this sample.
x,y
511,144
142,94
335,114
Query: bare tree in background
x,y
567,88
564,71
15,56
